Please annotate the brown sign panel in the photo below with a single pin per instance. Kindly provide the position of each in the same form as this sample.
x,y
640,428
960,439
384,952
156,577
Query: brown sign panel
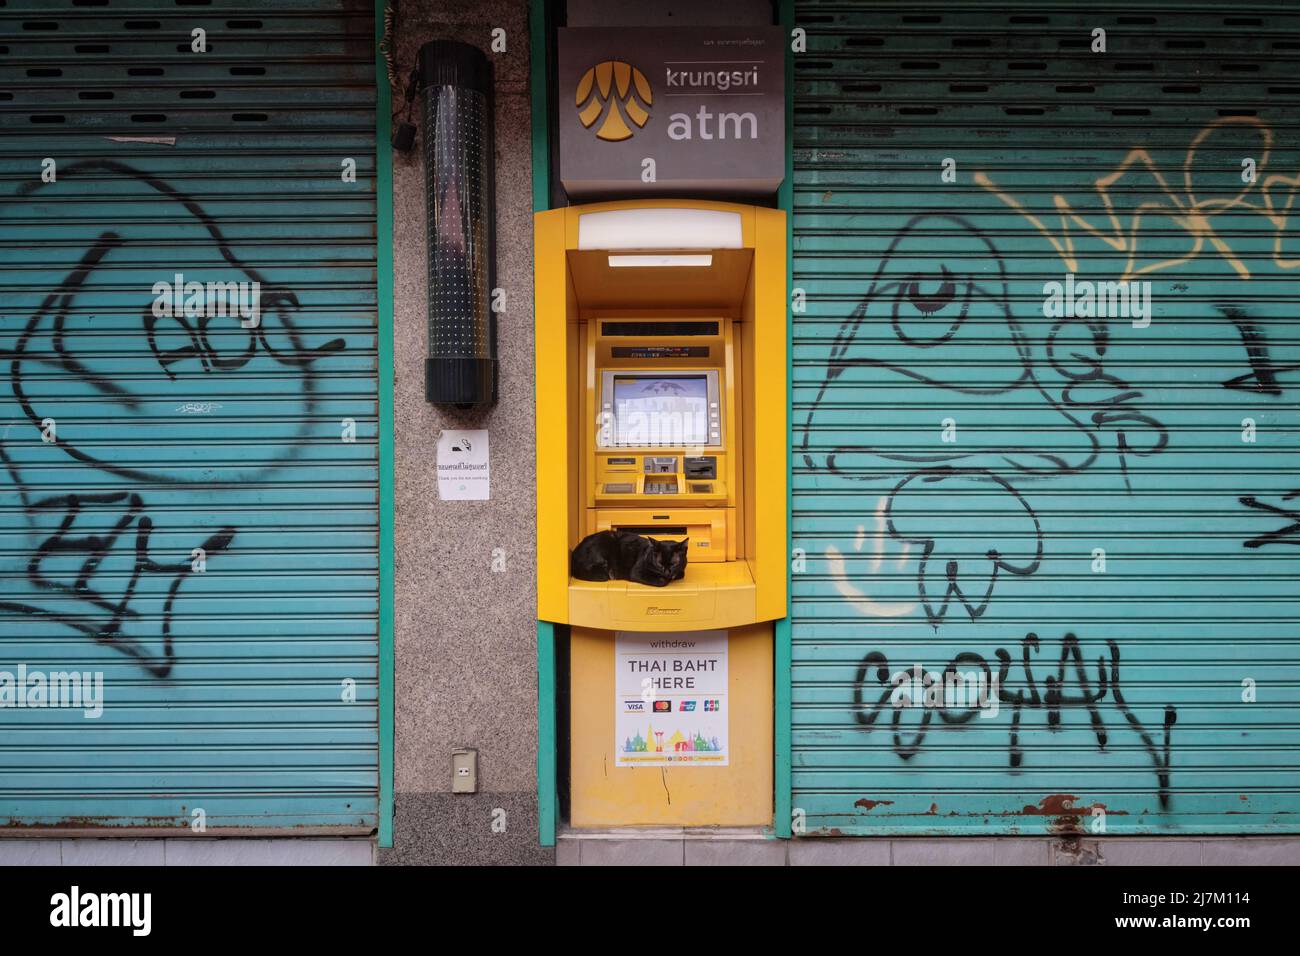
x,y
683,111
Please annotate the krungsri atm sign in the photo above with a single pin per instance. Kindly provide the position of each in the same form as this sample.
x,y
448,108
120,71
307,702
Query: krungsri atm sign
x,y
671,110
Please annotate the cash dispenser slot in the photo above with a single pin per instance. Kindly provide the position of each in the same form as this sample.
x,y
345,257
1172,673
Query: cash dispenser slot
x,y
706,529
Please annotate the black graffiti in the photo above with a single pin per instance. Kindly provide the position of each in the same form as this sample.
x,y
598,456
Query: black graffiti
x,y
201,347
56,307
930,320
1263,375
99,615
924,327
1137,434
1287,534
1054,698
928,312
84,600
999,560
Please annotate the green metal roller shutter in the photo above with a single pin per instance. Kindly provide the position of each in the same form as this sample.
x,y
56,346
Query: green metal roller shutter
x,y
128,440
1102,515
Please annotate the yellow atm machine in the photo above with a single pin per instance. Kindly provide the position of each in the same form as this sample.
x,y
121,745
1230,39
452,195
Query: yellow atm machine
x,y
661,409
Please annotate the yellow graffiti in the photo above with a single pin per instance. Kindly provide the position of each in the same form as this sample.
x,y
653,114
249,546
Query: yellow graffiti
x,y
1271,196
854,595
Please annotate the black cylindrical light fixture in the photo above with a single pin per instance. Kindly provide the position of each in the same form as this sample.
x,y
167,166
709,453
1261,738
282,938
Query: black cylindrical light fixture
x,y
461,365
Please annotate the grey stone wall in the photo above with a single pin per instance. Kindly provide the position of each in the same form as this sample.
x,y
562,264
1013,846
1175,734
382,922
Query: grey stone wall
x,y
465,637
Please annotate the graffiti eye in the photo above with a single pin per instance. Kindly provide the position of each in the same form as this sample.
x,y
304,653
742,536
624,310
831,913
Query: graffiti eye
x,y
919,301
926,302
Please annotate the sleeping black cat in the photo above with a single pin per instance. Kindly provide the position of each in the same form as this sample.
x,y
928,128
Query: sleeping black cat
x,y
625,556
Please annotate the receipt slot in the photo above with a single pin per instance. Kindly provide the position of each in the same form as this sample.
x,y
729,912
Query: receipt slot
x,y
661,339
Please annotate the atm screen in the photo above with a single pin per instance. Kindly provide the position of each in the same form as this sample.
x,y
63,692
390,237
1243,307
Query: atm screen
x,y
661,409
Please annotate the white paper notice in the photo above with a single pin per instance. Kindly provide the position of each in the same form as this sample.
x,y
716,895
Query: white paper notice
x,y
670,699
463,465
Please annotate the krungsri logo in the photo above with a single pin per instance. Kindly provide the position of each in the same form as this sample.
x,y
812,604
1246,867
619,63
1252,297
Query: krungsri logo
x,y
619,93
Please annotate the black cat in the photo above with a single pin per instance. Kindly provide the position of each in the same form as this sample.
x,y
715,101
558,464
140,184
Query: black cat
x,y
625,556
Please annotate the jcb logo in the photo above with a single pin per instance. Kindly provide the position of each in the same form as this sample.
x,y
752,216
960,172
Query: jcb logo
x,y
614,93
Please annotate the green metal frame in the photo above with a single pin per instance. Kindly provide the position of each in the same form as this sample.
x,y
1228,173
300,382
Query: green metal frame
x,y
537,73
547,744
384,306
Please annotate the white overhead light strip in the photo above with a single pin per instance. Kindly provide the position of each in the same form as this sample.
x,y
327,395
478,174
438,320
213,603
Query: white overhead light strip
x,y
664,259
660,229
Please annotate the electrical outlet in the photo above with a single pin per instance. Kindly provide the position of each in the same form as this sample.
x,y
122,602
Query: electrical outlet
x,y
464,771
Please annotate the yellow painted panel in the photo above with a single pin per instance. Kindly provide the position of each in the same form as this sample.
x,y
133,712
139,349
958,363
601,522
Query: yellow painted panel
x,y
739,794
711,595
707,529
772,431
717,286
551,347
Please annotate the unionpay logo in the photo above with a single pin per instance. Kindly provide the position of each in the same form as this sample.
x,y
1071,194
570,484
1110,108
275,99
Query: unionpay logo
x,y
613,97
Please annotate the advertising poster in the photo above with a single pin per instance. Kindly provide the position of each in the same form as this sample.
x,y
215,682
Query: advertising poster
x,y
671,705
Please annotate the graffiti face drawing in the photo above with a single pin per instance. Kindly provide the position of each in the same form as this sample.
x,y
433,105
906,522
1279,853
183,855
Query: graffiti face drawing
x,y
937,345
135,367
99,408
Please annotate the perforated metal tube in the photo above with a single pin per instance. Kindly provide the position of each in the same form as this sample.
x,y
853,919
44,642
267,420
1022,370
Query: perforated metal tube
x,y
460,367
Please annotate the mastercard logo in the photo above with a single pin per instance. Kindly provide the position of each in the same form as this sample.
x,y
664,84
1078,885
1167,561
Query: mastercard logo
x,y
613,98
